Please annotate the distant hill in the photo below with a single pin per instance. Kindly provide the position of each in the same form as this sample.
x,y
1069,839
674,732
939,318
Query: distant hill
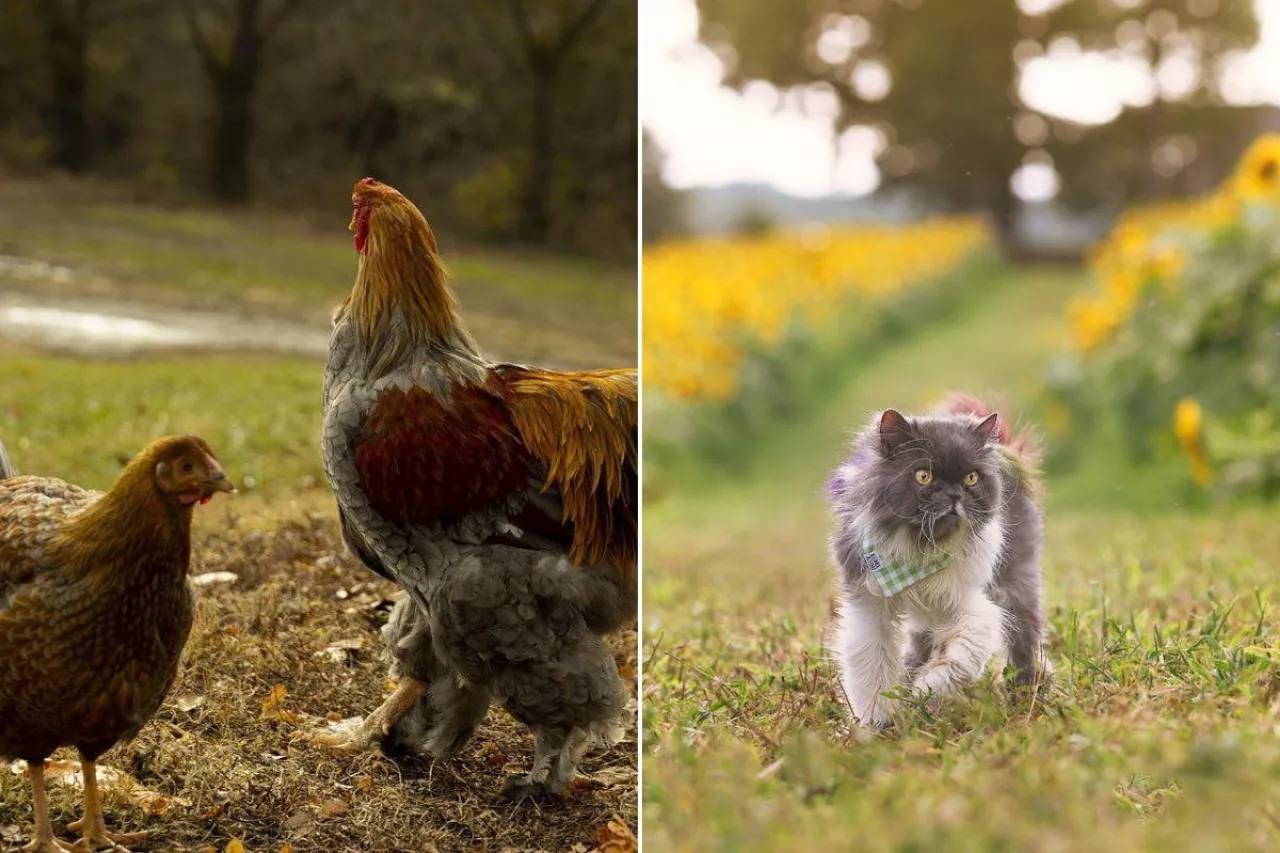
x,y
723,210
719,210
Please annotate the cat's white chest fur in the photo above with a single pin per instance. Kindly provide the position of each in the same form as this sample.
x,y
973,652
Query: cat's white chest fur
x,y
936,598
952,604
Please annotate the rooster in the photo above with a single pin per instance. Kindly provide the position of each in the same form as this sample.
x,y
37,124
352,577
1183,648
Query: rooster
x,y
95,608
502,498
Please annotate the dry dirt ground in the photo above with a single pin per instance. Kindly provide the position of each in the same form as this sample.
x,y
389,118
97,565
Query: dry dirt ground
x,y
293,640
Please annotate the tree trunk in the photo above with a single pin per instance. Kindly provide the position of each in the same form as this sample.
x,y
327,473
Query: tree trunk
x,y
233,88
536,218
232,135
68,40
1004,207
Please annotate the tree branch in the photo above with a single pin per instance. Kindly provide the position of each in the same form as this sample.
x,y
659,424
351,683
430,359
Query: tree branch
x,y
283,11
199,41
140,9
574,31
521,16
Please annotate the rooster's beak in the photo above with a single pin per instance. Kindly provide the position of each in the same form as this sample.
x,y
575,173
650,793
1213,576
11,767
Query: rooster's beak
x,y
351,226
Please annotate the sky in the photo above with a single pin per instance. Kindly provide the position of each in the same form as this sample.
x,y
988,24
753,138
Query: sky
x,y
714,136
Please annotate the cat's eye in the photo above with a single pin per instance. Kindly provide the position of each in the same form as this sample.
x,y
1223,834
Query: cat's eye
x,y
924,476
971,479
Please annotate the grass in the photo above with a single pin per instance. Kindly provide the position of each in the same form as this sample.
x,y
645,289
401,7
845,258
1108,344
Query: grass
x,y
233,771
1160,734
522,305
241,768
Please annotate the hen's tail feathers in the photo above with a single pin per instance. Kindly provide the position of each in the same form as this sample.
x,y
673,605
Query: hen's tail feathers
x,y
1019,441
6,467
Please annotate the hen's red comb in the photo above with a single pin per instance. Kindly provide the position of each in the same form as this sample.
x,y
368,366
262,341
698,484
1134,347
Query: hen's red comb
x,y
367,182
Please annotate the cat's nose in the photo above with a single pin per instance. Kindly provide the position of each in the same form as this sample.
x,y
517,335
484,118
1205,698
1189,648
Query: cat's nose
x,y
958,508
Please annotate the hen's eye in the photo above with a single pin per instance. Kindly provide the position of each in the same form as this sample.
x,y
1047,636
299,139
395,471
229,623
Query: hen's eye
x,y
187,467
924,476
971,479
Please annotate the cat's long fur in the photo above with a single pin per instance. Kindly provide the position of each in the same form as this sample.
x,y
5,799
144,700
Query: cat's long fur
x,y
938,634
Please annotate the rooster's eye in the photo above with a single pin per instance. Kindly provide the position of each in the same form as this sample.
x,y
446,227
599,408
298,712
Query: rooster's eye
x,y
187,467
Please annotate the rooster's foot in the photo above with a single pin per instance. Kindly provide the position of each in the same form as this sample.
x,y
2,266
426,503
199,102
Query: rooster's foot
x,y
45,845
519,788
353,736
349,738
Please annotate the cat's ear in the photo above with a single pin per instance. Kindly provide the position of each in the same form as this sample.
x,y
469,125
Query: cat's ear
x,y
989,430
895,430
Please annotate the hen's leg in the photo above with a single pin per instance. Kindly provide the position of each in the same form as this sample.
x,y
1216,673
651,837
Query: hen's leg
x,y
377,725
42,840
93,825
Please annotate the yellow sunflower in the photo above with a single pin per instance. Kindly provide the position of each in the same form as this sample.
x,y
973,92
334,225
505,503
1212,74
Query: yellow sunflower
x,y
1258,175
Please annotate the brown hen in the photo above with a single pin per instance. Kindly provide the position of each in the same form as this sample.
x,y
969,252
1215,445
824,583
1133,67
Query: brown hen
x,y
95,607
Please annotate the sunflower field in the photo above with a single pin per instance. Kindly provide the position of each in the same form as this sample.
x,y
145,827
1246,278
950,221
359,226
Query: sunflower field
x,y
738,331
1179,342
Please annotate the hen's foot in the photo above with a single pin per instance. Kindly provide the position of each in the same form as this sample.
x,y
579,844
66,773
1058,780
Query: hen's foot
x,y
101,838
519,788
45,845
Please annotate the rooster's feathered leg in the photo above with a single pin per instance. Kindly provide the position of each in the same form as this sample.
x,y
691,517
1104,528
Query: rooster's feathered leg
x,y
377,725
572,702
450,709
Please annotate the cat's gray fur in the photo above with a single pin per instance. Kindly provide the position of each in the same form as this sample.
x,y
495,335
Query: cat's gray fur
x,y
993,529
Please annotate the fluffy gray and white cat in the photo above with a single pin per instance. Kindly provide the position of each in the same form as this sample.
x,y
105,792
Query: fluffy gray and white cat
x,y
937,555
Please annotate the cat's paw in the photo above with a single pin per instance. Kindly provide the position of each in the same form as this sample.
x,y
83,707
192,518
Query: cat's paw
x,y
934,683
1040,679
877,715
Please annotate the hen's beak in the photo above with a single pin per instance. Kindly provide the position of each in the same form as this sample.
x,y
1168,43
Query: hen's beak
x,y
351,226
218,480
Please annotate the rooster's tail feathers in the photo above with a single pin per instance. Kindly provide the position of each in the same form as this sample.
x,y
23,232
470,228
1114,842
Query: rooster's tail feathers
x,y
1020,442
6,467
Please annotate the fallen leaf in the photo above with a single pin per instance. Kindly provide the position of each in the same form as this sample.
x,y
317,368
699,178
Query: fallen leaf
x,y
342,651
271,709
364,783
211,578
287,848
615,837
188,702
67,774
332,809
299,821
9,832
235,845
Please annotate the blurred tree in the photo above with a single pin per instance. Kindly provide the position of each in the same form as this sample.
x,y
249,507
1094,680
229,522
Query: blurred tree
x,y
287,102
231,40
546,35
939,79
661,202
67,29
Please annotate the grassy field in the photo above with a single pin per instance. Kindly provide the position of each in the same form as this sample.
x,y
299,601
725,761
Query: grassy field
x,y
521,305
302,616
1160,734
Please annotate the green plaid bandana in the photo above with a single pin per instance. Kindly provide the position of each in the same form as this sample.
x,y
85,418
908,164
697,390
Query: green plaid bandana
x,y
893,578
